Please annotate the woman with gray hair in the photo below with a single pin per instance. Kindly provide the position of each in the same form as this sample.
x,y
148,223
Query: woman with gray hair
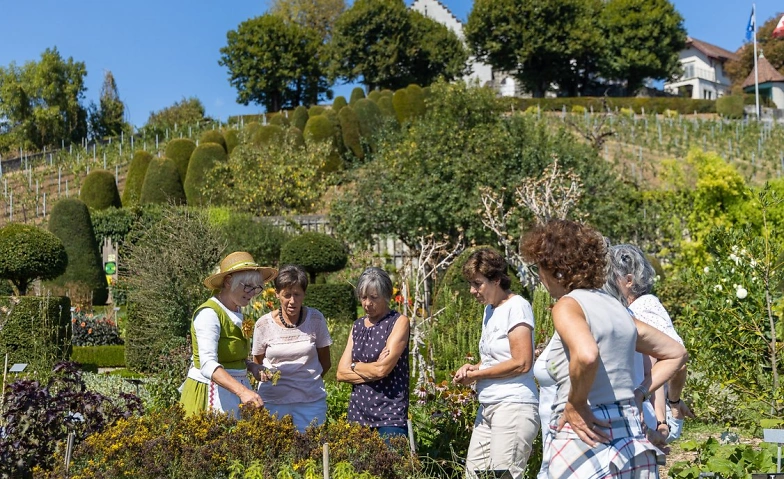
x,y
375,360
630,280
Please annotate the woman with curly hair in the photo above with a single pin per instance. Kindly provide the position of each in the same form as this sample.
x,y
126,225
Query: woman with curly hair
x,y
595,425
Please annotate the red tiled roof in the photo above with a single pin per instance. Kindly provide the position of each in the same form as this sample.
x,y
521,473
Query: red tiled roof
x,y
766,73
712,51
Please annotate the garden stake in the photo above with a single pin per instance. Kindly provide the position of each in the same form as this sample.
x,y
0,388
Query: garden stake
x,y
325,459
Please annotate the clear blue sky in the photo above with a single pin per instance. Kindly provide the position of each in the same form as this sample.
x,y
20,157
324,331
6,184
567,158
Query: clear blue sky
x,y
161,51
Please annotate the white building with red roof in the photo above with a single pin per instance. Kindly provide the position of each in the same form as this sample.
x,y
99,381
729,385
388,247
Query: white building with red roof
x,y
704,76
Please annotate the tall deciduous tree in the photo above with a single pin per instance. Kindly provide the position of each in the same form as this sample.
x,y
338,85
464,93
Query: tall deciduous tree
x,y
274,63
644,39
437,51
541,42
317,15
773,48
108,119
40,102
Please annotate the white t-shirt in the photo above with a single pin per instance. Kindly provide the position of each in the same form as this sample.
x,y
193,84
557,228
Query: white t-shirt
x,y
494,348
293,352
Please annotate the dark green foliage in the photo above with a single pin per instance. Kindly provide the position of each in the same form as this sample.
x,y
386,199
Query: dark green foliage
x,y
36,330
135,178
268,134
70,221
204,158
349,125
99,191
316,252
338,103
28,252
416,99
386,107
187,111
370,118
179,150
685,106
320,129
164,274
730,106
162,184
357,93
300,117
108,120
125,225
99,356
244,232
232,139
374,96
387,93
213,136
280,119
316,110
335,301
402,106
295,136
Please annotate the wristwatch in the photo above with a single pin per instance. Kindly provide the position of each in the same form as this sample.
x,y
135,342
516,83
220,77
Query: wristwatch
x,y
353,365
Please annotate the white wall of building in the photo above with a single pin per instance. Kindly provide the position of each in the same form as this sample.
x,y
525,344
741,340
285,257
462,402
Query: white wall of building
x,y
705,75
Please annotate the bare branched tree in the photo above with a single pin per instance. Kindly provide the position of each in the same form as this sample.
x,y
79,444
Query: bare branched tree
x,y
553,195
595,132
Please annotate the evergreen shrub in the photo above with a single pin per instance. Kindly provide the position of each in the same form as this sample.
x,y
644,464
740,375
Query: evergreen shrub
x,y
70,221
125,225
316,252
268,134
349,126
179,150
402,106
369,116
684,106
357,93
135,178
27,253
244,232
316,110
280,119
386,107
35,331
730,106
416,100
213,136
336,301
162,184
295,136
251,128
339,103
204,158
232,137
300,117
320,129
374,96
94,357
99,190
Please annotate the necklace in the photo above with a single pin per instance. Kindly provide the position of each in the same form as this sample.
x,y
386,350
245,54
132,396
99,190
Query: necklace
x,y
286,323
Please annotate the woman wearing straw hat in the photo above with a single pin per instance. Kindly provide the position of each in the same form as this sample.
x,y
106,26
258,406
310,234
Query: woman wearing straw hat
x,y
217,379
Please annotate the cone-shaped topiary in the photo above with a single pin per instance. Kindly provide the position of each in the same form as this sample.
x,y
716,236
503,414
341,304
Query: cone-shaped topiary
x,y
162,184
402,106
339,103
99,190
204,158
316,110
300,117
349,125
179,151
320,129
27,253
232,137
369,115
357,93
338,142
416,100
279,119
268,134
385,105
316,252
374,96
70,221
135,178
387,93
213,136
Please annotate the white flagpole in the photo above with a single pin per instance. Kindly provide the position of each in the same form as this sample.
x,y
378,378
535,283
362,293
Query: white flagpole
x,y
756,70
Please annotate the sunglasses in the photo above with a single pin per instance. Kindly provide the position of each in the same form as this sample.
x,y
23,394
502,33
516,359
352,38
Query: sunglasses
x,y
251,289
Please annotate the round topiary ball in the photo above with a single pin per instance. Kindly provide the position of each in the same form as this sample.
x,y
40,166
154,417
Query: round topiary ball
x,y
204,158
135,178
357,93
99,190
316,110
374,96
27,253
316,252
213,136
162,184
179,151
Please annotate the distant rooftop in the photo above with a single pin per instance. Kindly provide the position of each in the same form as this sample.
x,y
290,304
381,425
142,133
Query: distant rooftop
x,y
766,73
712,51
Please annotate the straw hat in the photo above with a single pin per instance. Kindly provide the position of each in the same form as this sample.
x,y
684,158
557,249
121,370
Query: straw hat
x,y
234,263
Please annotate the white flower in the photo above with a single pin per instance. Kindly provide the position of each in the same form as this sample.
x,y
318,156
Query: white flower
x,y
734,248
741,293
753,263
734,258
706,269
717,287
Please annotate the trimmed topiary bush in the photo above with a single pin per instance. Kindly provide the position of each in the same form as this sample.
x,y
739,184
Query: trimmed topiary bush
x,y
369,117
335,301
204,158
27,253
99,190
402,106
316,252
251,128
36,331
387,93
320,129
232,137
349,125
162,184
213,136
300,117
135,178
416,100
374,96
339,103
357,94
386,108
280,119
730,106
295,136
70,221
316,110
244,232
268,134
179,151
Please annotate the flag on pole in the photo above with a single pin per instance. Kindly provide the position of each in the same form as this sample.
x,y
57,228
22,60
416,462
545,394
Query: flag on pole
x,y
778,32
752,25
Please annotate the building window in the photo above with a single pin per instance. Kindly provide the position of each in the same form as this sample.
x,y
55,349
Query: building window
x,y
688,71
707,94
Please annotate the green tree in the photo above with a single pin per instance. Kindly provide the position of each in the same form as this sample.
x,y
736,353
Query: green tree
x,y
99,191
274,63
317,15
70,221
187,111
644,39
437,51
316,252
537,40
40,102
27,253
109,118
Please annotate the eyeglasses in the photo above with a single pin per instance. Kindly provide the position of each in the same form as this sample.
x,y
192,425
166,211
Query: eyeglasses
x,y
251,289
534,270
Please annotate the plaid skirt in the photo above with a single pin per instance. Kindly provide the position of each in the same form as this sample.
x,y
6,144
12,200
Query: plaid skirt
x,y
628,455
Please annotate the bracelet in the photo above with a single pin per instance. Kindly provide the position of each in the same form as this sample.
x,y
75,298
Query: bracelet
x,y
645,393
670,401
662,423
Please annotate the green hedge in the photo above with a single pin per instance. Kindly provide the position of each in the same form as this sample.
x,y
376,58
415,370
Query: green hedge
x,y
179,151
213,136
135,178
279,119
730,106
36,331
99,356
335,301
99,191
162,184
684,106
204,158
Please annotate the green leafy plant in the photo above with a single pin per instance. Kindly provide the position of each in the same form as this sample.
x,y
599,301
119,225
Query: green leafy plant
x,y
99,190
316,252
731,461
27,253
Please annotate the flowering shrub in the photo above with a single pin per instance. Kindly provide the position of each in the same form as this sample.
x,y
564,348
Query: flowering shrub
x,y
94,330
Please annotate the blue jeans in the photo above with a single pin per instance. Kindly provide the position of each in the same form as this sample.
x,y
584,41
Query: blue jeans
x,y
387,432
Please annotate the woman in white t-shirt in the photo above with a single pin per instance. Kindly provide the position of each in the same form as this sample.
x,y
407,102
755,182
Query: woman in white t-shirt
x,y
508,420
292,343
